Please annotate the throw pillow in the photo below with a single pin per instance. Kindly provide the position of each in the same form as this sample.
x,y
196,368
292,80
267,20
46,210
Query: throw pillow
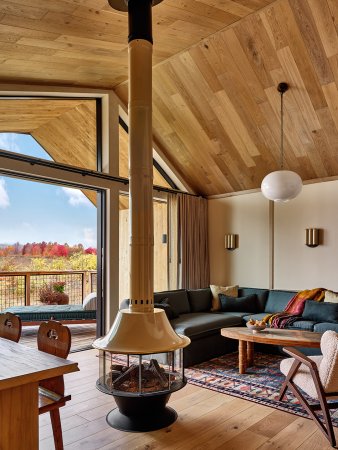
x,y
320,312
331,297
170,312
200,300
89,303
239,304
226,290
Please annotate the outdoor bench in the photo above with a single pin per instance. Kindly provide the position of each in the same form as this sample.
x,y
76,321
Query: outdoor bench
x,y
68,314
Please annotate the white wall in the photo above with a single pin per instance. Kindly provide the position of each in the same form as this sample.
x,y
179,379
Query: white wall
x,y
296,266
248,217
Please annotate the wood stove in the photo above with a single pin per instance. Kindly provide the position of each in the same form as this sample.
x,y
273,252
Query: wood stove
x,y
141,361
141,364
141,386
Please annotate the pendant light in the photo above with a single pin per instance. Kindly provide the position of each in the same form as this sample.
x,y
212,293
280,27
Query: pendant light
x,y
281,185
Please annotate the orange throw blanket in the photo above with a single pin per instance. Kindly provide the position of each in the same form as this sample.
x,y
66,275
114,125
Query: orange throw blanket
x,y
294,308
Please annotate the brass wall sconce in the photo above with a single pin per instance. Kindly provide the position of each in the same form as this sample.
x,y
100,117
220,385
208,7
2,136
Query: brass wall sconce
x,y
312,237
231,241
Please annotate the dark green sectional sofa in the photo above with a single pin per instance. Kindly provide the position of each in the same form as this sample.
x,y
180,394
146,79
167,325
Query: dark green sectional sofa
x,y
195,320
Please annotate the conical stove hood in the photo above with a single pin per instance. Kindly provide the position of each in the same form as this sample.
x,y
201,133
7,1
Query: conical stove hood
x,y
141,329
141,333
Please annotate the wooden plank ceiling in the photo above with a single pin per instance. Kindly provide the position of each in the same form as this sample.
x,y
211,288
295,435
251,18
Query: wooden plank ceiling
x,y
216,67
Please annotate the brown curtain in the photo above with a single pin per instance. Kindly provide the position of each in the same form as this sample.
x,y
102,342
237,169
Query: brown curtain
x,y
194,270
173,250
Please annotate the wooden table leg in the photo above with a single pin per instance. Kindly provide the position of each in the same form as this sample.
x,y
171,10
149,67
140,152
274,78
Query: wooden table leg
x,y
242,356
250,353
19,417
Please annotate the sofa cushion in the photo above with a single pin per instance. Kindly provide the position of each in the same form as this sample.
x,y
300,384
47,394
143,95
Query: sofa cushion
x,y
237,314
320,311
226,290
262,296
196,323
178,300
170,312
306,325
200,300
259,316
324,326
47,312
240,304
277,300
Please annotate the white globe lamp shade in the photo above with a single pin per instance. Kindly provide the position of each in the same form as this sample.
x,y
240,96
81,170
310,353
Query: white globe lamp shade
x,y
281,185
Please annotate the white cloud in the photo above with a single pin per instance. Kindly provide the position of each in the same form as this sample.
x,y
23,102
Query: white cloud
x,y
89,237
8,141
27,225
75,197
4,198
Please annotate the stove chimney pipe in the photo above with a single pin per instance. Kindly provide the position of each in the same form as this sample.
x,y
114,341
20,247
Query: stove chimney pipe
x,y
141,328
140,157
140,152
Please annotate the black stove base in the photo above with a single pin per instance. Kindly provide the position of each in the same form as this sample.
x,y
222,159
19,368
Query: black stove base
x,y
142,423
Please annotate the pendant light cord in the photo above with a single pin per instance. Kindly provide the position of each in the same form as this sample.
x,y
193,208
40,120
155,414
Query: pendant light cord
x,y
281,132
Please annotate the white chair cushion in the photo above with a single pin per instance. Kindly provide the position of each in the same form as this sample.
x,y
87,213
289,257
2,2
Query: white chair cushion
x,y
89,303
303,378
327,367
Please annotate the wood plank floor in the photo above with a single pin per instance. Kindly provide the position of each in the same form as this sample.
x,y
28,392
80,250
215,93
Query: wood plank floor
x,y
82,336
207,420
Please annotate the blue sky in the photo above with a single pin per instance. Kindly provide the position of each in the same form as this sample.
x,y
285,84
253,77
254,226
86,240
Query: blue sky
x,y
31,211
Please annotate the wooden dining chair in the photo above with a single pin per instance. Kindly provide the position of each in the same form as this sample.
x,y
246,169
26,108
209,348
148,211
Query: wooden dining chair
x,y
10,326
55,339
317,376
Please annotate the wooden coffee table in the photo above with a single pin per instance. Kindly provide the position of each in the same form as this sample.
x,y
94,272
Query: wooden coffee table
x,y
274,336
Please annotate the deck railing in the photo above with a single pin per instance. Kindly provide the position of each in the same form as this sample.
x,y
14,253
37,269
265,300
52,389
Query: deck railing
x,y
23,288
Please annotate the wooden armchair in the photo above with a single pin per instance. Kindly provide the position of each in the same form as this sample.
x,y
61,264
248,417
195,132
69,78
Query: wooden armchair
x,y
317,376
55,339
10,326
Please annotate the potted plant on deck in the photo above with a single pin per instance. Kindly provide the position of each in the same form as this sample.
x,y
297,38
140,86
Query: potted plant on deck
x,y
53,294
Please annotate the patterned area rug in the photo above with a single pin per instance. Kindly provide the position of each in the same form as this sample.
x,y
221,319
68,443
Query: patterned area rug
x,y
260,384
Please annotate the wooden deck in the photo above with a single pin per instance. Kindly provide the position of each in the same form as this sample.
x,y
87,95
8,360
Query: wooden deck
x,y
207,420
82,336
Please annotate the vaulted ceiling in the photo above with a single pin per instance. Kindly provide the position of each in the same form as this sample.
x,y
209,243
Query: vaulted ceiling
x,y
217,64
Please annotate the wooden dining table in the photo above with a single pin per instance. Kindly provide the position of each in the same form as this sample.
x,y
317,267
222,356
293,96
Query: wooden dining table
x,y
21,369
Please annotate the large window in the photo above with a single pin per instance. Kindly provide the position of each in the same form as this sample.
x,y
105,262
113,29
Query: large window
x,y
48,247
71,132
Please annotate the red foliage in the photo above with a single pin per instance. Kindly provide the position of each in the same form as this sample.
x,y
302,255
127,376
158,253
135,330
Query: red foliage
x,y
90,251
50,249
